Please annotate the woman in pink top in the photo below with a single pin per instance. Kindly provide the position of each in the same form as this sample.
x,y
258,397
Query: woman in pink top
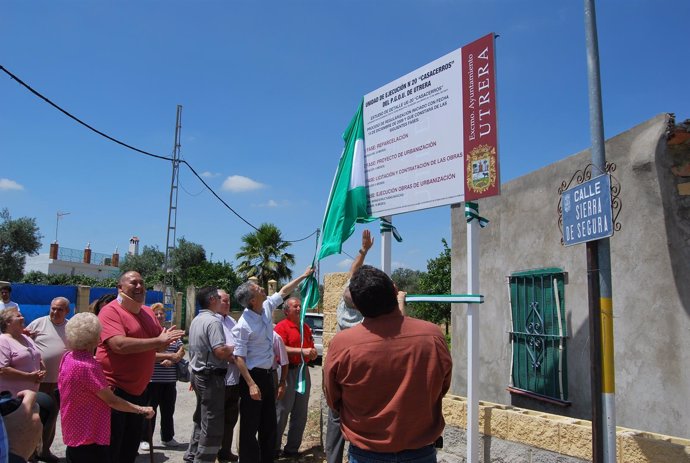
x,y
20,361
85,398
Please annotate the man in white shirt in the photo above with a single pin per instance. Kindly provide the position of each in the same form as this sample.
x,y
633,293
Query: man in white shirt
x,y
254,357
5,293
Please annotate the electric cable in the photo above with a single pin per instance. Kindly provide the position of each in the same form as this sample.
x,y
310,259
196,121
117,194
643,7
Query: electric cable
x,y
183,161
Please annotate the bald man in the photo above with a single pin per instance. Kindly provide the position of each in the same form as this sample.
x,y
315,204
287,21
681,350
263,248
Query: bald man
x,y
130,338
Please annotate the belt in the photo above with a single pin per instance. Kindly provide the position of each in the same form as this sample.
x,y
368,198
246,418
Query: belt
x,y
211,371
261,370
294,365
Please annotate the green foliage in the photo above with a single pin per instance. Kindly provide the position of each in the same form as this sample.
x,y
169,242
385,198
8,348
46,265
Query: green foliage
x,y
40,278
186,256
18,238
264,255
407,279
149,264
219,274
436,280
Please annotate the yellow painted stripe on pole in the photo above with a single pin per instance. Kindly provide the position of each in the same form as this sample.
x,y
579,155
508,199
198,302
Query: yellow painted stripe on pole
x,y
608,378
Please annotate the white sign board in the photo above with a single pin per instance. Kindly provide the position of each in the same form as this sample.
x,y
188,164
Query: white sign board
x,y
414,139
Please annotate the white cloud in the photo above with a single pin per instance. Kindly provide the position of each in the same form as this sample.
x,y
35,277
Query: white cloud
x,y
274,203
345,263
208,174
7,184
239,184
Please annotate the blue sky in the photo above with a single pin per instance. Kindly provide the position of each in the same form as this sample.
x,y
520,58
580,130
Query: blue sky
x,y
267,89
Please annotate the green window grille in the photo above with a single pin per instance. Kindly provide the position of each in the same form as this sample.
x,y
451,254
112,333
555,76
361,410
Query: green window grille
x,y
538,336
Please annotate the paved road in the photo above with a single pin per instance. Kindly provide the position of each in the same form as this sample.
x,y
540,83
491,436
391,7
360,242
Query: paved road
x,y
183,424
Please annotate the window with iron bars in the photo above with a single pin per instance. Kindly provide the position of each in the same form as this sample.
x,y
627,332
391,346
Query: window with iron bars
x,y
539,334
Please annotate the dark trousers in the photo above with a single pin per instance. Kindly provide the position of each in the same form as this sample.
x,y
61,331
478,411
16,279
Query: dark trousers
x,y
208,418
88,454
49,426
232,410
335,441
125,429
46,407
258,416
163,396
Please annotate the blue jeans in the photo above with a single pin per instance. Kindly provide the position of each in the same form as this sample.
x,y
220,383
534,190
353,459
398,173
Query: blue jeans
x,y
424,455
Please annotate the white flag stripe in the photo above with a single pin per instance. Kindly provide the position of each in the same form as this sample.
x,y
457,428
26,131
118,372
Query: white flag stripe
x,y
357,175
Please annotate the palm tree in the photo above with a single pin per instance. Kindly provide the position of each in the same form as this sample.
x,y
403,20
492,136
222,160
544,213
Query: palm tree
x,y
263,255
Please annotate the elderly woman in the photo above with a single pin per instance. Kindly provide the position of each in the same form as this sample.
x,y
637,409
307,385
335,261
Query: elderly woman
x,y
20,360
162,390
85,396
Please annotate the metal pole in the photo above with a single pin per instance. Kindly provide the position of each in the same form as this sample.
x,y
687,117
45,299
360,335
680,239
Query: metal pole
x,y
595,349
604,304
473,343
386,248
171,236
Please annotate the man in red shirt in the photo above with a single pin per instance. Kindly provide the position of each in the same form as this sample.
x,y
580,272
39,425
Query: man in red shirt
x,y
387,376
293,403
127,351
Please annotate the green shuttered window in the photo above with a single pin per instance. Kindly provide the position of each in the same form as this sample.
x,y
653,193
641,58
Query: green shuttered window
x,y
538,336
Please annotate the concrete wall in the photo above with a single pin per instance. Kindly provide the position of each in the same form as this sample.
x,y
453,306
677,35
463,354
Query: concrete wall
x,y
43,263
514,435
650,260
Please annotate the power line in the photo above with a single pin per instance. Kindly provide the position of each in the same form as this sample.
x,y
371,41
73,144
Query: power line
x,y
126,145
66,113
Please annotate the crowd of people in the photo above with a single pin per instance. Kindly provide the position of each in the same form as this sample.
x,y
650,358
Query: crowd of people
x,y
108,371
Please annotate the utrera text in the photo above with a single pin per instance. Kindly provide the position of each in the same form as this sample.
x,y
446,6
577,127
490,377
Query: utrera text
x,y
480,96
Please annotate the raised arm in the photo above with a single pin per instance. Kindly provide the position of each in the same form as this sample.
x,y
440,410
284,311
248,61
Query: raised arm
x,y
367,243
286,290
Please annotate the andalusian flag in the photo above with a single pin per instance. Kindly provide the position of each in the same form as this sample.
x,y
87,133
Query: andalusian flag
x,y
347,203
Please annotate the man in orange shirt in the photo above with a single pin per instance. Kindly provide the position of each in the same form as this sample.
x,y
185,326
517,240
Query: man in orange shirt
x,y
387,376
293,403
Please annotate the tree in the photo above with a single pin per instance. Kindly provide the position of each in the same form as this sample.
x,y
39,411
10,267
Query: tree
x,y
18,238
149,264
264,255
184,257
218,274
407,279
436,280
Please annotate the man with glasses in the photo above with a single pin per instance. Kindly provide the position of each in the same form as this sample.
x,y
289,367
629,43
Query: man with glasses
x,y
254,357
209,356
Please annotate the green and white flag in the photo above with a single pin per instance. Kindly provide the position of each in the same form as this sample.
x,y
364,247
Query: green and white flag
x,y
347,203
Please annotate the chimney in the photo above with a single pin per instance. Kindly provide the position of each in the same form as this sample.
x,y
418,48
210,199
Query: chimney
x,y
133,246
53,251
115,260
87,253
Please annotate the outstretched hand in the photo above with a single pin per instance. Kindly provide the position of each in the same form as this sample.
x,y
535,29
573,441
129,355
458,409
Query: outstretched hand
x,y
169,335
367,240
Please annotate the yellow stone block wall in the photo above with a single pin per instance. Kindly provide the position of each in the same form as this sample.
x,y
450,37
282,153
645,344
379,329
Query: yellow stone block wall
x,y
564,435
82,302
332,292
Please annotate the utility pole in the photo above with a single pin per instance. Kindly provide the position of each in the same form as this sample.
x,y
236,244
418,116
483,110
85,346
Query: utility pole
x,y
599,274
170,241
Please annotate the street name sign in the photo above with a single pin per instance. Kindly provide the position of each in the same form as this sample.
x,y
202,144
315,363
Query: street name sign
x,y
587,212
